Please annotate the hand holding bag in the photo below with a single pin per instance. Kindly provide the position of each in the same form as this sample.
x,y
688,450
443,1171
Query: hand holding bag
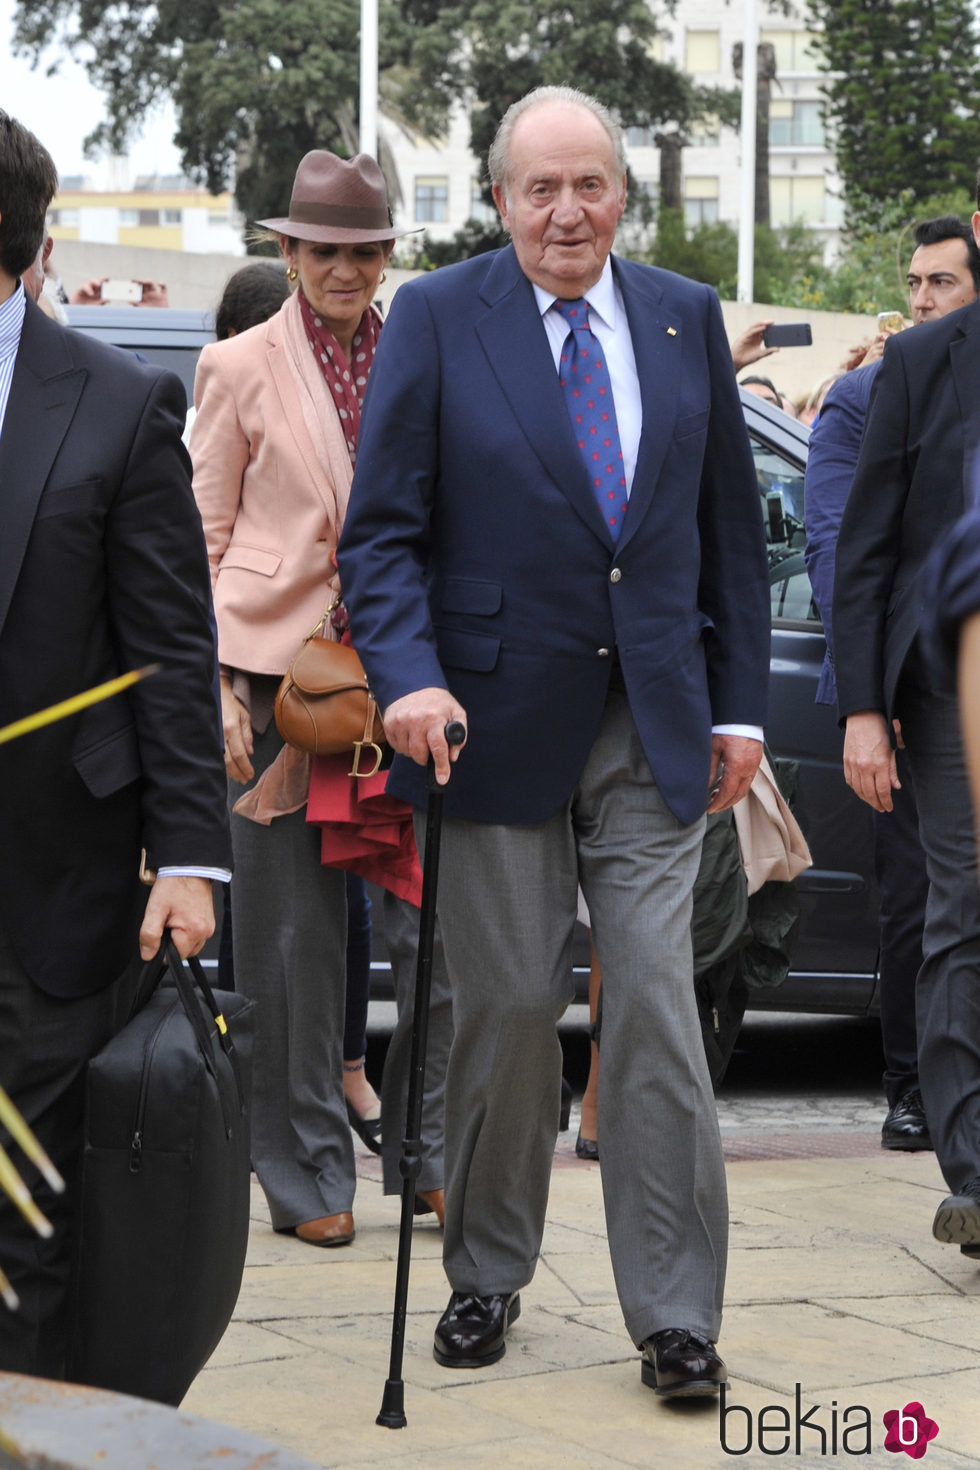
x,y
164,1212
325,706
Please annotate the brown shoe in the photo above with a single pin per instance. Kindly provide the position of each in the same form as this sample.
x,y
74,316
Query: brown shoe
x,y
431,1202
328,1230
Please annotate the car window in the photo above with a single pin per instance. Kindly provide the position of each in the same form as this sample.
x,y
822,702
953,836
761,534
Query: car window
x,y
781,488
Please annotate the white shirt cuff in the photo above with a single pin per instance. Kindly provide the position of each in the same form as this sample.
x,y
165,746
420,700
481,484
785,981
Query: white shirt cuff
x,y
220,875
751,732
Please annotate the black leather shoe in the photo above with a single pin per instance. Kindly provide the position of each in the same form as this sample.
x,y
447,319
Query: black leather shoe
x,y
368,1130
565,1110
587,1148
472,1329
905,1127
957,1220
677,1363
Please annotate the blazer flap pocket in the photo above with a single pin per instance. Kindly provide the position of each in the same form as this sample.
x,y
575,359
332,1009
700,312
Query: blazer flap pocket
x,y
469,595
461,650
251,559
110,764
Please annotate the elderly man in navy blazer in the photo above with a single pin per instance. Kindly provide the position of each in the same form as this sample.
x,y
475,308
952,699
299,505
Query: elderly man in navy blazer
x,y
555,536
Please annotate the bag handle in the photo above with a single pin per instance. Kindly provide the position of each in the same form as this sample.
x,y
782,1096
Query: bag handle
x,y
178,969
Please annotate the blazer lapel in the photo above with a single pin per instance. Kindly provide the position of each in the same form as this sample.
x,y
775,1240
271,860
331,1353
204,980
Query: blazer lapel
x,y
657,347
44,395
964,358
514,339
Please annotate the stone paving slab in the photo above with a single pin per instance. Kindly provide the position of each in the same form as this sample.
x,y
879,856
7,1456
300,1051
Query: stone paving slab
x,y
835,1285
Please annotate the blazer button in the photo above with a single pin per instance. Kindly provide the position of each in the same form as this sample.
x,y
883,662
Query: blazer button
x,y
615,575
603,652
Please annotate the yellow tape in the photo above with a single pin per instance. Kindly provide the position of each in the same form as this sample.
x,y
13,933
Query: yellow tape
x,y
221,1024
71,706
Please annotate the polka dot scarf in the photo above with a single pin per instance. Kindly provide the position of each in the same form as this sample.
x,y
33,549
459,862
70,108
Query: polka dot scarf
x,y
345,382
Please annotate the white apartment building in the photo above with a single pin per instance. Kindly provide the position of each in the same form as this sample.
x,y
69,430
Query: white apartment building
x,y
440,181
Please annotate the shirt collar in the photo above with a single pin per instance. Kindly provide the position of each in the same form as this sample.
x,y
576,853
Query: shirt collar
x,y
11,321
601,297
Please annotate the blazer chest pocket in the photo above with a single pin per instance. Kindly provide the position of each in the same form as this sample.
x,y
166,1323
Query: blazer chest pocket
x,y
69,499
691,423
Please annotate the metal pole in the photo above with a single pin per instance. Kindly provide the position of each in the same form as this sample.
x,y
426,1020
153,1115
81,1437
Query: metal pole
x,y
368,141
750,103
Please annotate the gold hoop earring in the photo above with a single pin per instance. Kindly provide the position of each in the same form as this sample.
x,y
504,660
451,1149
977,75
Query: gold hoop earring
x,y
292,273
384,277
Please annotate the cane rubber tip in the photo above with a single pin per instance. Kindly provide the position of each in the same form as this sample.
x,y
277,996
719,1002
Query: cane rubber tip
x,y
392,1414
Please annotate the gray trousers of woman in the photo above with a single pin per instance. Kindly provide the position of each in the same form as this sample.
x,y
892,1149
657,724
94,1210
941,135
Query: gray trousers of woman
x,y
289,925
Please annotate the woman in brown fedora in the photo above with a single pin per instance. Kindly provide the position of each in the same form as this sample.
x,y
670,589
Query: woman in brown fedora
x,y
273,446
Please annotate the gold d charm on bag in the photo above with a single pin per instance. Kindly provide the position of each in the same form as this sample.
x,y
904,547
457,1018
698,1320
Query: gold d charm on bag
x,y
360,745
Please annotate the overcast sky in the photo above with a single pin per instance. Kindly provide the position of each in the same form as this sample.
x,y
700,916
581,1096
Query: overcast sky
x,y
62,109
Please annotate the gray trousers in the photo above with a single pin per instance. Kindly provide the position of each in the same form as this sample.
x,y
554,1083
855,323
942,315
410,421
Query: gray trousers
x,y
401,922
507,902
289,925
289,928
948,985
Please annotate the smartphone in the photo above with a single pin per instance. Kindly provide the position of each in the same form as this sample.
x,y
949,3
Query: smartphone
x,y
788,334
123,291
890,321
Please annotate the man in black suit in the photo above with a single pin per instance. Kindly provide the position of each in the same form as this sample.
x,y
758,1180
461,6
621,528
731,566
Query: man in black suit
x,y
102,570
912,482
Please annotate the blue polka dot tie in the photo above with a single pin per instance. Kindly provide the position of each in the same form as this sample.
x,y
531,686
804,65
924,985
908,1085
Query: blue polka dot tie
x,y
584,380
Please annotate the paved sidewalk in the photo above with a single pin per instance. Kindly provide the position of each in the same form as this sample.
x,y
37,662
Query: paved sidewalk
x,y
835,1285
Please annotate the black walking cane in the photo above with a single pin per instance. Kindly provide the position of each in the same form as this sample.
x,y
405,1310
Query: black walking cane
x,y
392,1415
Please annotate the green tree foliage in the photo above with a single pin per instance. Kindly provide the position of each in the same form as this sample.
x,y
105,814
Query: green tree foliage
x,y
788,266
256,83
902,95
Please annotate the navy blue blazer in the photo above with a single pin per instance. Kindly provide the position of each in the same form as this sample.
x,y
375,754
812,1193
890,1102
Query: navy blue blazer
x,y
475,558
835,442
912,483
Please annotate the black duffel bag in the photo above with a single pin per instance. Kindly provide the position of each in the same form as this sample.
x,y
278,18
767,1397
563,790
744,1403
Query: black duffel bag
x,y
165,1186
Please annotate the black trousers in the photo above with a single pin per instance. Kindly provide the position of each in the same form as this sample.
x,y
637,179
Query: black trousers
x,y
45,1044
903,884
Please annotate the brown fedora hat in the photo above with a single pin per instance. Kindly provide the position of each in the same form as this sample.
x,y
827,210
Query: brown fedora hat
x,y
337,201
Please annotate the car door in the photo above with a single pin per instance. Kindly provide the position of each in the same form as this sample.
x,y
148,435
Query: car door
x,y
835,956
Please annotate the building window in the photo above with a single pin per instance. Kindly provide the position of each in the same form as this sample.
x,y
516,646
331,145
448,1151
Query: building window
x,y
171,216
700,201
706,134
148,217
703,51
432,200
129,218
640,138
795,124
479,208
796,51
792,199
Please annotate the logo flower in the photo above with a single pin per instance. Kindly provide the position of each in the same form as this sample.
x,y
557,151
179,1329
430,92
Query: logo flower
x,y
909,1429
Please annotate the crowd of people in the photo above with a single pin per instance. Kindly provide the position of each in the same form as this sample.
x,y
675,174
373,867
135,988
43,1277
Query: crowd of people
x,y
529,499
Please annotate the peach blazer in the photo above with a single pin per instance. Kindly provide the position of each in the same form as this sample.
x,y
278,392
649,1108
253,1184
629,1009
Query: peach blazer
x,y
271,477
